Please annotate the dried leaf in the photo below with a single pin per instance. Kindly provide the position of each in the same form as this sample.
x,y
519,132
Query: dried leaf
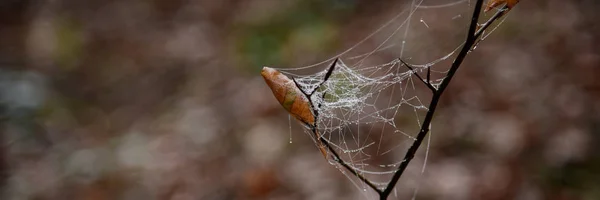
x,y
292,99
495,3
288,95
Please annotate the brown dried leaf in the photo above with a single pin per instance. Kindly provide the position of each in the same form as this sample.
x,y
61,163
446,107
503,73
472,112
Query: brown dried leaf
x,y
292,99
288,95
495,3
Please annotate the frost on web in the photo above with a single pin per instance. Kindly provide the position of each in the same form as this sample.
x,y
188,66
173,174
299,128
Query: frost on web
x,y
370,108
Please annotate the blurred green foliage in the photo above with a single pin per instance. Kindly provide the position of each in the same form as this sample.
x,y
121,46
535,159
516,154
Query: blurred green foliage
x,y
69,41
309,27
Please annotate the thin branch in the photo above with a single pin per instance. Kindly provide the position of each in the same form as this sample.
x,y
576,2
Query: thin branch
x,y
492,19
470,40
314,129
327,75
418,76
339,160
498,14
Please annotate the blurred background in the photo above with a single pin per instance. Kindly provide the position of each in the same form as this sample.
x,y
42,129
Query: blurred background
x,y
162,99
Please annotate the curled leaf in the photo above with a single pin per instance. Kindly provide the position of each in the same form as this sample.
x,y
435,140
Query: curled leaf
x,y
292,99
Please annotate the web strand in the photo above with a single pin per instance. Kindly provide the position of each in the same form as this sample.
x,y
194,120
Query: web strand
x,y
369,107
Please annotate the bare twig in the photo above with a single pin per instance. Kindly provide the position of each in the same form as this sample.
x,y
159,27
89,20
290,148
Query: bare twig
x,y
427,83
470,41
339,160
472,36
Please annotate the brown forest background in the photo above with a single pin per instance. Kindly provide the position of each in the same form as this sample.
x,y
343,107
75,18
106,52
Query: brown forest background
x,y
162,99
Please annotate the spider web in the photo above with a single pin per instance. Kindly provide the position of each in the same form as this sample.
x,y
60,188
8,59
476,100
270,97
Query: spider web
x,y
370,108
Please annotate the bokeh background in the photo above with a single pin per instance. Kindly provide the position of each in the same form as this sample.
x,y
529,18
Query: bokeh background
x,y
162,99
